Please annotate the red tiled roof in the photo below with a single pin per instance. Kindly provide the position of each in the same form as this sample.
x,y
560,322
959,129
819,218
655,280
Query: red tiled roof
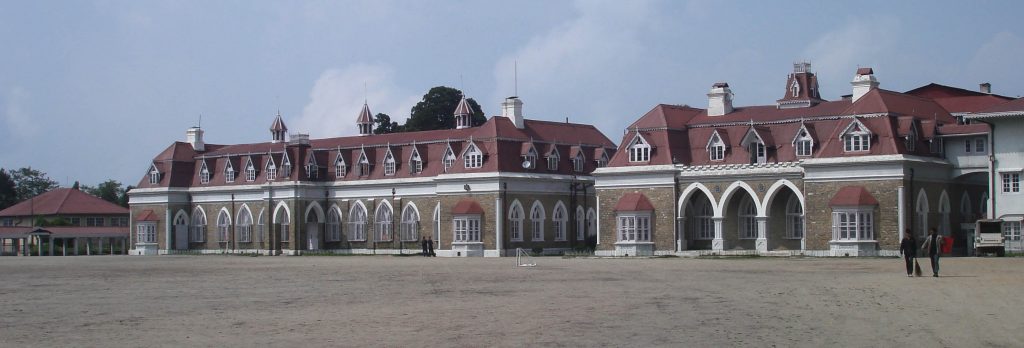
x,y
147,215
957,129
364,115
63,201
937,91
634,201
463,107
1013,105
66,231
852,196
467,206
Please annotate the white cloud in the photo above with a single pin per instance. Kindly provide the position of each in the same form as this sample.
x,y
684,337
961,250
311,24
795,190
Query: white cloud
x,y
19,123
836,54
338,96
601,45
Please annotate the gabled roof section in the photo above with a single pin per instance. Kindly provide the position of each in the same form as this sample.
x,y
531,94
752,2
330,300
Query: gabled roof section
x,y
364,115
937,91
311,161
719,134
853,196
388,154
471,145
228,165
634,201
63,201
805,128
1016,105
463,108
576,151
278,124
552,151
855,126
363,157
414,154
528,149
759,134
339,158
666,116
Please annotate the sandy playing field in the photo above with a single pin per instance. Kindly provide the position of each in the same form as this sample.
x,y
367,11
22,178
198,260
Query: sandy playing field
x,y
178,301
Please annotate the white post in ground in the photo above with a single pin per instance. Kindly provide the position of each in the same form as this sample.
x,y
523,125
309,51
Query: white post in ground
x,y
718,244
681,234
88,246
762,233
64,247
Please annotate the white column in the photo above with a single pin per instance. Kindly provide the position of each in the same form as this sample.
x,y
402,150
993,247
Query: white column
x,y
499,220
718,244
88,246
597,218
680,234
762,234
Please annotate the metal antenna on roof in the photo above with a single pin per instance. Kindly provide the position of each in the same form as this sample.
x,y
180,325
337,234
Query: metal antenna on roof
x,y
366,95
200,125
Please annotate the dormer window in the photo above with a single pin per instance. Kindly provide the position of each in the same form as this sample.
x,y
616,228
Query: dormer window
x,y
716,148
389,163
911,140
312,169
250,171
448,160
364,164
553,159
415,162
803,144
531,158
758,153
603,160
473,157
204,174
271,171
857,138
795,88
577,163
154,175
229,173
286,165
639,150
339,166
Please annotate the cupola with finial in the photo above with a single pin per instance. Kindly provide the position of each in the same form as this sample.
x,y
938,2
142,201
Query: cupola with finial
x,y
801,88
463,114
365,121
278,129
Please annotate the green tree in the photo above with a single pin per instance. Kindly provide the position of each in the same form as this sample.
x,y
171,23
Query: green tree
x,y
122,200
109,191
30,183
436,110
8,190
384,124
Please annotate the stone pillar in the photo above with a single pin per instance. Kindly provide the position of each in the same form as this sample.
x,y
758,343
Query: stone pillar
x,y
762,234
50,240
680,233
718,244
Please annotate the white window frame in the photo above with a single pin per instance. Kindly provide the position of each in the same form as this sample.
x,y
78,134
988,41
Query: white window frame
x,y
271,171
364,164
759,152
804,144
415,162
333,225
410,229
704,221
747,219
286,165
197,230
154,175
1011,231
979,145
577,163
244,226
633,227
716,149
223,226
603,160
857,142
639,150
537,218
286,225
340,168
204,174
553,162
250,171
1010,182
389,164
853,224
559,219
383,220
357,223
794,219
580,224
515,219
473,157
448,160
466,228
146,233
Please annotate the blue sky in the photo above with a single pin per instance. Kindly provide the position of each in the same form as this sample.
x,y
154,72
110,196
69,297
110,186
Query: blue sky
x,y
91,90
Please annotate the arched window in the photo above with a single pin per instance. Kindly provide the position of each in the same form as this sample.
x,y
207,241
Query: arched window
x,y
966,211
261,227
944,210
983,205
558,221
580,224
515,219
333,225
794,219
223,226
357,223
747,219
286,222
410,223
703,220
244,226
198,228
591,223
922,215
384,222
537,221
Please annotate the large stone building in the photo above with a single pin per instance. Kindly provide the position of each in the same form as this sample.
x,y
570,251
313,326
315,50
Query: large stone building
x,y
475,190
801,176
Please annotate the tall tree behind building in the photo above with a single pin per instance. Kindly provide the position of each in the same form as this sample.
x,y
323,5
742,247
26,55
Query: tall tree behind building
x,y
29,183
109,191
383,124
8,190
436,110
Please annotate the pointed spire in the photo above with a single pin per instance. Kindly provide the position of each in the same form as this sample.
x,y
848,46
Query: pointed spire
x,y
365,120
278,129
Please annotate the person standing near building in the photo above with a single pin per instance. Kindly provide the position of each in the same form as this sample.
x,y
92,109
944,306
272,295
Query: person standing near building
x,y
430,246
423,245
933,244
908,248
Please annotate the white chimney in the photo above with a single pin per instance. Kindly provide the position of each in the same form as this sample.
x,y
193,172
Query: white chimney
x,y
985,88
719,99
863,83
512,108
194,136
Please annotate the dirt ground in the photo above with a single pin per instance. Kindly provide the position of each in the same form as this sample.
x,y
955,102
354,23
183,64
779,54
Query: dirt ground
x,y
217,301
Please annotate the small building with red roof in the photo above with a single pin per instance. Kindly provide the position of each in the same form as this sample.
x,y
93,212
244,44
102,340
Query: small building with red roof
x,y
64,221
475,190
801,175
